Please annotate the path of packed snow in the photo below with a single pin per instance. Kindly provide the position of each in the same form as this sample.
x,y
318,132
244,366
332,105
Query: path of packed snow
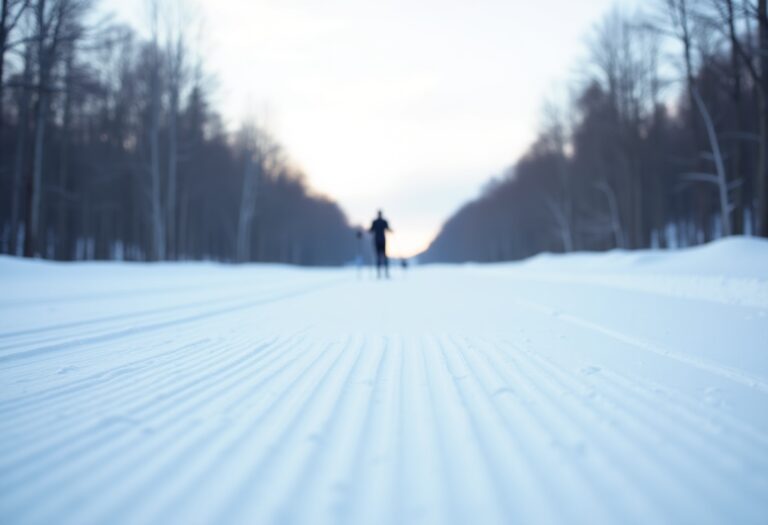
x,y
615,388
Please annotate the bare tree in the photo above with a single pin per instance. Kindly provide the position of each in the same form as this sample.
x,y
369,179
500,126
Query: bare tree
x,y
156,199
247,208
560,213
680,14
614,218
56,22
97,118
755,62
762,171
175,59
22,132
260,155
11,12
64,148
719,178
560,204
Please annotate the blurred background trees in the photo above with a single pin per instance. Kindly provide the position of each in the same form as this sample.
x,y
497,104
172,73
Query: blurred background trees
x,y
665,144
110,149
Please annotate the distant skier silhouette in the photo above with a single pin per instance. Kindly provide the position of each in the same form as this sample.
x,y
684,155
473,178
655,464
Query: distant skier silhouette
x,y
379,229
359,259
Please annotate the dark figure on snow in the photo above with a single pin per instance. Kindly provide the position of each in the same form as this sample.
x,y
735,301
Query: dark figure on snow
x,y
379,229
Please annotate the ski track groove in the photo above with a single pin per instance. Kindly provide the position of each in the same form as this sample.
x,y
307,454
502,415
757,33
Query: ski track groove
x,y
141,343
365,456
650,407
90,435
312,486
566,435
61,393
687,449
233,507
374,498
158,325
152,398
152,313
198,467
548,418
694,362
128,292
73,318
524,471
292,469
125,462
691,451
135,487
103,394
490,443
434,377
423,444
653,467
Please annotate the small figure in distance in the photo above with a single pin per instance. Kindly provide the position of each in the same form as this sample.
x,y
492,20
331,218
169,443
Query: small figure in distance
x,y
379,229
359,258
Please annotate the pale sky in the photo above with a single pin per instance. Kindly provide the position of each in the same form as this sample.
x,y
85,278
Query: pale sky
x,y
407,105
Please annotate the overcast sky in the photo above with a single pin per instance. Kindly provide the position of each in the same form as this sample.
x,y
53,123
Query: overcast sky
x,y
407,105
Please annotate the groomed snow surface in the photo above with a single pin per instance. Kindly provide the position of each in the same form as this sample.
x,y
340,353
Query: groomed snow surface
x,y
627,387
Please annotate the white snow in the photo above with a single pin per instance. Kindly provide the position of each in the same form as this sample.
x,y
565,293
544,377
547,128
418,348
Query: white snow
x,y
627,387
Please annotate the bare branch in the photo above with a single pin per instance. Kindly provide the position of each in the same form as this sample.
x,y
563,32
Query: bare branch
x,y
700,177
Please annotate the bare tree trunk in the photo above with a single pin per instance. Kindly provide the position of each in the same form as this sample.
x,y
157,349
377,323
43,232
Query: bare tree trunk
x,y
158,227
175,64
172,172
32,232
615,217
247,209
183,233
85,234
678,10
722,182
561,215
49,26
762,171
32,229
567,207
3,40
681,19
738,223
21,140
9,19
62,242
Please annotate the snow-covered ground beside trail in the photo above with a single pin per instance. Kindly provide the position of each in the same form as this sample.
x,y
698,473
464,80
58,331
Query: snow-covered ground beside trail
x,y
626,387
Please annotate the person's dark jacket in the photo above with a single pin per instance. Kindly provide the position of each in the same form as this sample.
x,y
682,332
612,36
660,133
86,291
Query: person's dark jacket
x,y
379,227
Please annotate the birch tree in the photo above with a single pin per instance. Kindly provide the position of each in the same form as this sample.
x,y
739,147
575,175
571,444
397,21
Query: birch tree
x,y
155,94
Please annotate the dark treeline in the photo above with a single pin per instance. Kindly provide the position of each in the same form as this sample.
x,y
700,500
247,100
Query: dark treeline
x,y
109,149
639,159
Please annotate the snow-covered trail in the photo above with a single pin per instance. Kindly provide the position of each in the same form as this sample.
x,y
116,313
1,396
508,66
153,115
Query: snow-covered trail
x,y
534,393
